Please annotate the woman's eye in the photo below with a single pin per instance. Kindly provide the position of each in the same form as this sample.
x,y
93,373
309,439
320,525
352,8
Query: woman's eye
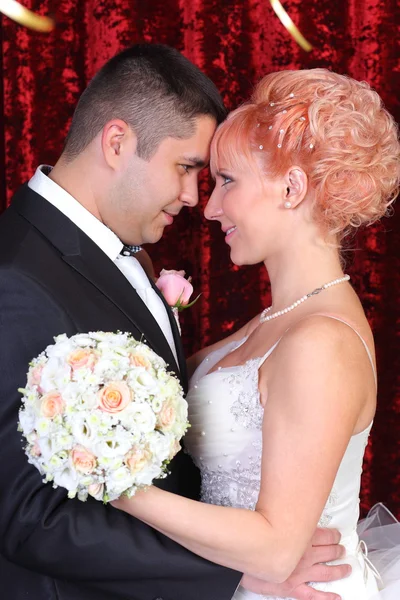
x,y
226,180
186,168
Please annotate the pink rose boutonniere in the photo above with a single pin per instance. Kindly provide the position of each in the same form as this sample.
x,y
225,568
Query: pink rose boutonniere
x,y
176,290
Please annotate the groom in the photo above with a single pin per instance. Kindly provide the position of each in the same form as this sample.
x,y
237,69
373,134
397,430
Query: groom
x,y
140,135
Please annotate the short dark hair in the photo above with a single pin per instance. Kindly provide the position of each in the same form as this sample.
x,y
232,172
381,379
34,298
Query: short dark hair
x,y
153,88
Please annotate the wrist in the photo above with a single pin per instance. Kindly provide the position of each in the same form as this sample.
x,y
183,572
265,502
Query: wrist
x,y
129,504
258,586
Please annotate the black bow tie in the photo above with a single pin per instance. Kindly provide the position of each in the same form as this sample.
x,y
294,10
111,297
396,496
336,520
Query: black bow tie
x,y
130,250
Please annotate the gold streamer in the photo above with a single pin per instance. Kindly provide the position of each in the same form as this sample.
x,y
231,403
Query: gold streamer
x,y
290,26
15,11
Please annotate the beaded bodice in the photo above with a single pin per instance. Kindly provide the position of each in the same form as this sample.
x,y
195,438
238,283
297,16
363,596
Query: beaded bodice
x,y
225,441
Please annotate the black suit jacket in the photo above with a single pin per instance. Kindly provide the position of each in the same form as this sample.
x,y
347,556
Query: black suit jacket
x,y
54,279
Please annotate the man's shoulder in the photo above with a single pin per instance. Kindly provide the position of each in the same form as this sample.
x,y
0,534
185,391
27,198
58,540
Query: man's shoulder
x,y
13,231
23,250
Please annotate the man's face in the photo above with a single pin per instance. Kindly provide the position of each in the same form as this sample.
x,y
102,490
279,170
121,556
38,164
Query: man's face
x,y
147,195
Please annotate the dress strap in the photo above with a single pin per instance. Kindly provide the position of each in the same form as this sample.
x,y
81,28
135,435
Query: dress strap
x,y
368,351
267,354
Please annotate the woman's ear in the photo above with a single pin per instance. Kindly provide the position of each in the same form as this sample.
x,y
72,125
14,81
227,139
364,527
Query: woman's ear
x,y
296,186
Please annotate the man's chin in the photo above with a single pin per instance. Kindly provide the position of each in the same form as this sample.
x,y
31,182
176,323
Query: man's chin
x,y
154,237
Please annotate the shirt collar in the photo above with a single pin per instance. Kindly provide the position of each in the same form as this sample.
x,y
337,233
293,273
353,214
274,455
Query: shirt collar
x,y
99,233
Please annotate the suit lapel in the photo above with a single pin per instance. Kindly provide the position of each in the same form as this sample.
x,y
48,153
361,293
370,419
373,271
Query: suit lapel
x,y
86,258
92,264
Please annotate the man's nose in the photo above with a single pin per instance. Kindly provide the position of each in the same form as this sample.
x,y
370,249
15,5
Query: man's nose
x,y
190,193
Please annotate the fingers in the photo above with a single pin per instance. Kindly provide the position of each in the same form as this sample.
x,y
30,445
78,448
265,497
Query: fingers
x,y
322,554
325,573
325,537
305,592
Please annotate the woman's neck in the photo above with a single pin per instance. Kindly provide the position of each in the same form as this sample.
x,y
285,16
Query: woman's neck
x,y
300,269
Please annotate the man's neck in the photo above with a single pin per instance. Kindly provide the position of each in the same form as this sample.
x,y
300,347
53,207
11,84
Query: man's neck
x,y
68,175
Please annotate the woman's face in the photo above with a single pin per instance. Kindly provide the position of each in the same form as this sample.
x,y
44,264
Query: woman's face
x,y
252,213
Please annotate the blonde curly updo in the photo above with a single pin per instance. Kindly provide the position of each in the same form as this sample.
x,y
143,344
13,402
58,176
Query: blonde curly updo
x,y
333,127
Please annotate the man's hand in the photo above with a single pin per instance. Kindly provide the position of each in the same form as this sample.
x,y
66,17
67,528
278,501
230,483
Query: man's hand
x,y
324,547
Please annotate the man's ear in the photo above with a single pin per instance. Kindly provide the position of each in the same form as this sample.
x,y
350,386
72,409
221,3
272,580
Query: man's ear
x,y
118,143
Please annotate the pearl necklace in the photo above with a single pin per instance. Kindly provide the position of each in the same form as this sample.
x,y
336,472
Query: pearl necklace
x,y
264,317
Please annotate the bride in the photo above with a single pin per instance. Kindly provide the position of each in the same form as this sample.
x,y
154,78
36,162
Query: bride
x,y
281,410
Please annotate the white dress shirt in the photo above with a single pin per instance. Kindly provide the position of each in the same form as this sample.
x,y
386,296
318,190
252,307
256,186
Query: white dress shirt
x,y
107,241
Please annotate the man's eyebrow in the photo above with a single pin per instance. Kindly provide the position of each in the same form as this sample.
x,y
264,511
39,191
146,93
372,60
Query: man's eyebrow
x,y
195,160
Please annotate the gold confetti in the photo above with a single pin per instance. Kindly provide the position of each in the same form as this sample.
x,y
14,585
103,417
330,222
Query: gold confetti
x,y
290,26
15,11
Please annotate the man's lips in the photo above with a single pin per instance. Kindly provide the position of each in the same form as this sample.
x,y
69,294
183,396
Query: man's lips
x,y
170,216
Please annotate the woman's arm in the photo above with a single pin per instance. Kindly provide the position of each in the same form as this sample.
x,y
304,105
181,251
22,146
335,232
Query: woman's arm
x,y
315,396
194,361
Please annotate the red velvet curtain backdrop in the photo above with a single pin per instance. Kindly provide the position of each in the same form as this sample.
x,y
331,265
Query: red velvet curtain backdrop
x,y
235,42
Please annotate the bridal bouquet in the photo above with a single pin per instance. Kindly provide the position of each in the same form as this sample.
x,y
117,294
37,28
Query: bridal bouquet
x,y
101,415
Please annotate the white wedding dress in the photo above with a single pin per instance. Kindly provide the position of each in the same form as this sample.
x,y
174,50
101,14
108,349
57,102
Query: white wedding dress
x,y
225,441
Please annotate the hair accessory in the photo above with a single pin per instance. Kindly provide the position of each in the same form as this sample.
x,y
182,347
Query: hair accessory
x,y
270,127
258,124
281,131
279,145
284,112
311,145
291,95
272,103
302,119
261,147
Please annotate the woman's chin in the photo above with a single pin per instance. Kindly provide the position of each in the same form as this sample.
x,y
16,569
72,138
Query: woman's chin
x,y
238,260
241,260
235,259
